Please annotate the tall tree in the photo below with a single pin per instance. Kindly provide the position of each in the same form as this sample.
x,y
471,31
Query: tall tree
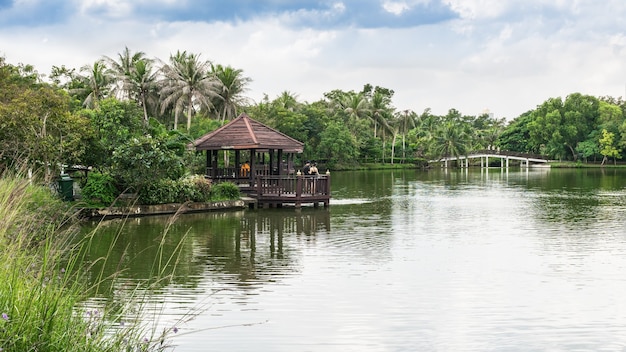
x,y
356,106
189,84
406,121
121,71
231,88
96,82
608,146
559,126
286,100
451,138
143,85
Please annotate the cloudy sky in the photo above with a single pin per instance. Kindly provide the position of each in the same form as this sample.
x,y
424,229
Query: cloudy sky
x,y
507,56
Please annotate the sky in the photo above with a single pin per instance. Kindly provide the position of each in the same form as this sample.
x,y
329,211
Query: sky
x,y
502,56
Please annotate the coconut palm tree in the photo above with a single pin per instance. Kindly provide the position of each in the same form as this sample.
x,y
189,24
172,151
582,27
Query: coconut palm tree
x,y
96,82
121,70
286,100
379,105
406,121
188,83
356,106
231,89
142,85
451,139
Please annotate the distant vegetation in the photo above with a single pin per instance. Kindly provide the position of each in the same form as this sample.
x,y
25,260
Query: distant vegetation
x,y
130,118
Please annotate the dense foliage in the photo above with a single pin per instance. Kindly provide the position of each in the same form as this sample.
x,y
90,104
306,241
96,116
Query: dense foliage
x,y
581,127
120,116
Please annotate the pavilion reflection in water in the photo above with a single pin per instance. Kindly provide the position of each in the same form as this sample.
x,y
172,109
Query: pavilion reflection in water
x,y
276,226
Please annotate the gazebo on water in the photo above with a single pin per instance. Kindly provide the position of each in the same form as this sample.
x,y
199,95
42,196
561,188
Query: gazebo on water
x,y
261,161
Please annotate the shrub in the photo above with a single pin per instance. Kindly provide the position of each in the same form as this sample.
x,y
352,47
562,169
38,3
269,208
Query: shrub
x,y
99,188
192,188
224,191
158,192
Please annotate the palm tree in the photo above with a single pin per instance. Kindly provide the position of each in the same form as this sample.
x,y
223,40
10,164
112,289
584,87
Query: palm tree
x,y
379,105
142,84
388,126
122,70
95,83
187,83
406,121
232,86
286,100
451,139
356,106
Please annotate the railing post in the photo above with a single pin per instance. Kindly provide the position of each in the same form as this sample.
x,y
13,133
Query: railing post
x,y
299,184
326,202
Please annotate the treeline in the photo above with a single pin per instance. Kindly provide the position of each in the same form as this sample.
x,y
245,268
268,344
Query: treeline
x,y
132,113
579,128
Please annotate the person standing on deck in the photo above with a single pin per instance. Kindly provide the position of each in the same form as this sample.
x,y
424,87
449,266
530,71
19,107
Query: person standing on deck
x,y
307,168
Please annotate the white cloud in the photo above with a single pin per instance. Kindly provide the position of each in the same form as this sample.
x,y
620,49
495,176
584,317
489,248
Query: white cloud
x,y
395,7
107,8
495,56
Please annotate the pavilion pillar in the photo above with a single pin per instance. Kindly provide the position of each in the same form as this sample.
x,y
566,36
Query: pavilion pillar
x,y
280,162
214,163
272,161
252,166
208,164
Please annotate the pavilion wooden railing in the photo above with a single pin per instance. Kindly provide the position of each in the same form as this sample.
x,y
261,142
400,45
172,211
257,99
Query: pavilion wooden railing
x,y
236,174
297,186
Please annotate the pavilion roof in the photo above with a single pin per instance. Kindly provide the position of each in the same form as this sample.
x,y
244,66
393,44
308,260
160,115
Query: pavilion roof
x,y
246,133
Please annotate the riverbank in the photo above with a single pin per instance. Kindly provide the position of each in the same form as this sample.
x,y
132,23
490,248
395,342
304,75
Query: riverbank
x,y
164,209
580,165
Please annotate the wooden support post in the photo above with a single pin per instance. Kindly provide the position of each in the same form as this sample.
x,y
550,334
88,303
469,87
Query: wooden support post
x,y
214,163
280,162
238,163
253,171
299,186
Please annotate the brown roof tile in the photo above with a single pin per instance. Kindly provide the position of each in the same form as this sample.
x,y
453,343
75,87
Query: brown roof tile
x,y
246,133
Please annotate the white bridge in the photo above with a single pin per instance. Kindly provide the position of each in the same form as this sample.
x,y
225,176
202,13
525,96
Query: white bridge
x,y
484,156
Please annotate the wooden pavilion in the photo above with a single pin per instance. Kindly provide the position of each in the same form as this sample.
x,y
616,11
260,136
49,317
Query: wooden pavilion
x,y
263,164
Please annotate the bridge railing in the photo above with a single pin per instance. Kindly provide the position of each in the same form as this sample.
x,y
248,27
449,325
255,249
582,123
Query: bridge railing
x,y
508,153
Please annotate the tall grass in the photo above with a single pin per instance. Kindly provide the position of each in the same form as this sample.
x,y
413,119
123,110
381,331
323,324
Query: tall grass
x,y
42,282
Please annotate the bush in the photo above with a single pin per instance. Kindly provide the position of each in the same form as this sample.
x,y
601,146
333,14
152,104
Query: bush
x,y
193,188
225,191
99,188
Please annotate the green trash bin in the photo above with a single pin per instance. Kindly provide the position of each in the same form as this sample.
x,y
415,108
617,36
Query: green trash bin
x,y
66,187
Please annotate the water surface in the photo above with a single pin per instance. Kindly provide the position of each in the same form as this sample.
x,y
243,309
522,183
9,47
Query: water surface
x,y
401,261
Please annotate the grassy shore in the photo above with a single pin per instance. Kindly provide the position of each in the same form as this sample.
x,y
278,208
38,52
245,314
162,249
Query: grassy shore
x,y
581,165
42,281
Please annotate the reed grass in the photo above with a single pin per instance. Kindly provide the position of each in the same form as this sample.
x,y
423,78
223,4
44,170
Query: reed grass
x,y
43,288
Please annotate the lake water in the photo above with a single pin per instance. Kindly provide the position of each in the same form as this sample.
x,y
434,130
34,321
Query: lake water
x,y
400,261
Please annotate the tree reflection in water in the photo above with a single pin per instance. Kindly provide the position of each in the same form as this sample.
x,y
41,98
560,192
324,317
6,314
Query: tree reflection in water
x,y
243,248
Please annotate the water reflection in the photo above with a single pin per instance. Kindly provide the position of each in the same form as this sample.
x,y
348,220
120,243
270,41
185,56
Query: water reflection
x,y
240,246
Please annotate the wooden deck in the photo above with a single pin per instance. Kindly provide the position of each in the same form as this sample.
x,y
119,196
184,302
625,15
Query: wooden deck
x,y
296,190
